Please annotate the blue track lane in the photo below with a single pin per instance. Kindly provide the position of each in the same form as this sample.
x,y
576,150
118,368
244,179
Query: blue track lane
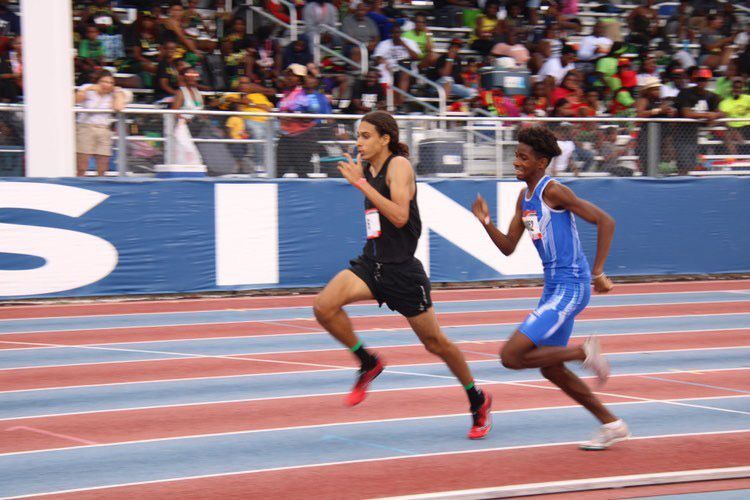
x,y
49,471
190,318
42,402
23,358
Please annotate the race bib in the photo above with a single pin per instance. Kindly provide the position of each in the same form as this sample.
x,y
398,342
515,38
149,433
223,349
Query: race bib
x,y
531,223
372,222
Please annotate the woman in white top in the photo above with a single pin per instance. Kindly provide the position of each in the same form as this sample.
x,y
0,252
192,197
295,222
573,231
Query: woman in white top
x,y
93,134
189,97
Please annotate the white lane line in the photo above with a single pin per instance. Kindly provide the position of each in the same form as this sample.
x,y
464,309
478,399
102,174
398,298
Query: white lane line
x,y
696,384
36,430
390,330
298,396
649,400
321,367
367,460
533,293
338,424
176,355
370,316
587,484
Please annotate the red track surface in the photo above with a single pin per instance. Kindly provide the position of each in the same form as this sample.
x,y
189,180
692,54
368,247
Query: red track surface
x,y
454,471
379,477
176,421
180,368
208,304
302,326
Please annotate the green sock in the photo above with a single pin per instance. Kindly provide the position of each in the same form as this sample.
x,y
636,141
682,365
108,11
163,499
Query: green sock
x,y
366,359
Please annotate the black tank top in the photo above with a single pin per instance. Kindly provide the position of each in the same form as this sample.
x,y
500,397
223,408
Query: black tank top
x,y
394,245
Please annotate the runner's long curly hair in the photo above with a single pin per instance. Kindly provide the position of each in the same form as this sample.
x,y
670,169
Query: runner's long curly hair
x,y
384,123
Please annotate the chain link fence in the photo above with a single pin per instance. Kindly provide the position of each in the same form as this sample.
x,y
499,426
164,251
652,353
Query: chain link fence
x,y
310,146
11,142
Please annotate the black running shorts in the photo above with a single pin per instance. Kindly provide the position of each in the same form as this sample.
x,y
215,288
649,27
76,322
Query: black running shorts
x,y
403,287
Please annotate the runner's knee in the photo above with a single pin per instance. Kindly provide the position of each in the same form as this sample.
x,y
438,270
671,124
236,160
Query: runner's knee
x,y
511,361
324,309
436,346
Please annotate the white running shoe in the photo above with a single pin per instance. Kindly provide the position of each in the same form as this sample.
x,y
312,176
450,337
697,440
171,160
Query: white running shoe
x,y
595,361
606,436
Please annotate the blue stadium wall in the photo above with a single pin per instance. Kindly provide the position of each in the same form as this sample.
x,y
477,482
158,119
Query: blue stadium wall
x,y
88,237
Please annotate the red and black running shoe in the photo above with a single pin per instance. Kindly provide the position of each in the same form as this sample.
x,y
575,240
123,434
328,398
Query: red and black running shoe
x,y
359,391
482,419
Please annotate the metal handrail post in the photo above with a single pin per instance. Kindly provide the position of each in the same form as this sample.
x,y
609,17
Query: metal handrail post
x,y
292,18
498,150
316,48
269,149
442,97
364,60
169,123
653,149
122,145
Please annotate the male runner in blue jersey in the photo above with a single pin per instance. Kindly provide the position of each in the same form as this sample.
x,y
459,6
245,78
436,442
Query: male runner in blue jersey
x,y
547,209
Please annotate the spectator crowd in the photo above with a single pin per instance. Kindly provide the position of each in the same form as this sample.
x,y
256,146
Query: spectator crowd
x,y
530,58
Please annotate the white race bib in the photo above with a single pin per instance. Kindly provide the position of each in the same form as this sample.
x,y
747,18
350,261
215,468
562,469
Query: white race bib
x,y
372,222
531,222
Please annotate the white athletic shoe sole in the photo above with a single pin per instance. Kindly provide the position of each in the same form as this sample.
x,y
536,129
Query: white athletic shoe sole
x,y
595,361
604,438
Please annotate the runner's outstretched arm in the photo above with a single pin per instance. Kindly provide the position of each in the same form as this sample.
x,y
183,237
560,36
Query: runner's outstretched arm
x,y
505,242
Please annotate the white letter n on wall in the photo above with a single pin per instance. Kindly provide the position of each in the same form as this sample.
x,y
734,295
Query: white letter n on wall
x,y
247,234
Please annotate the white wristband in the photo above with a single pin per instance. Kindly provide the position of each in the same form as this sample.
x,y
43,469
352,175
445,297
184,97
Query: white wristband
x,y
487,220
597,276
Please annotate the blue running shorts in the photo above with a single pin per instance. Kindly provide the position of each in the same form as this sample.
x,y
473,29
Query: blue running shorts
x,y
551,323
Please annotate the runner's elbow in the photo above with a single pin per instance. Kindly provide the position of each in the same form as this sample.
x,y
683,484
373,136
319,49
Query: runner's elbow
x,y
607,221
400,220
508,251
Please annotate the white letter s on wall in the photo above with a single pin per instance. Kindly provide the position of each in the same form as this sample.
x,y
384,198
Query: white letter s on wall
x,y
73,259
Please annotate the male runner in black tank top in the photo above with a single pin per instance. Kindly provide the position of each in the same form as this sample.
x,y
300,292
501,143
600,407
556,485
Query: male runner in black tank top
x,y
387,270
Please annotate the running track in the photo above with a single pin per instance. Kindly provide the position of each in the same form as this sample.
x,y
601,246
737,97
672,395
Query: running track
x,y
242,397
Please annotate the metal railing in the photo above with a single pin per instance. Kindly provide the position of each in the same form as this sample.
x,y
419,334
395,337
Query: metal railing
x,y
441,145
292,18
317,48
291,26
442,95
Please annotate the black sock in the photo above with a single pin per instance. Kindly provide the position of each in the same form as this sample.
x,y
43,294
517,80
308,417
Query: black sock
x,y
476,397
367,360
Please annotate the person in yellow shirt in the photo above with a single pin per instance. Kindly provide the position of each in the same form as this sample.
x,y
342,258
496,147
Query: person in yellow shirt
x,y
487,21
235,127
736,105
252,102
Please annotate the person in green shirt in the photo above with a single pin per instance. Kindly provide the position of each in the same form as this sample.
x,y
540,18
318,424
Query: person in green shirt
x,y
607,66
90,57
91,47
724,84
423,39
736,105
